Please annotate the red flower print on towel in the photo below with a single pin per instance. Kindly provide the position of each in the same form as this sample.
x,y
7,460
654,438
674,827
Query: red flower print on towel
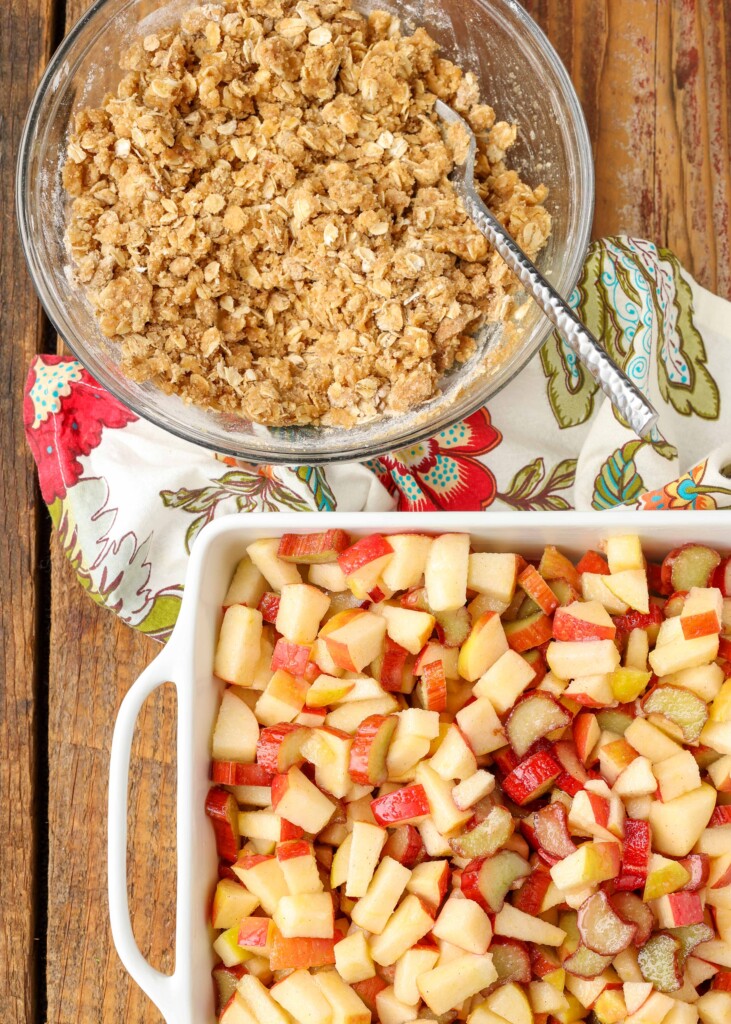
x,y
443,472
64,413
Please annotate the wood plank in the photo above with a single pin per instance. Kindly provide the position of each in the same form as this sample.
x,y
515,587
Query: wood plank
x,y
94,660
653,80
24,48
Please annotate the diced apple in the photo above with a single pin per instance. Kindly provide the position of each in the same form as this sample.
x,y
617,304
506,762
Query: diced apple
x,y
445,814
717,736
592,863
231,902
594,588
247,585
256,935
282,700
678,909
373,910
446,571
481,727
370,748
410,923
471,790
493,575
676,775
295,798
222,809
714,1007
505,681
408,628
678,824
363,563
624,553
354,638
353,958
487,880
329,576
704,681
448,985
485,644
346,1006
571,659
301,608
410,965
465,924
239,645
649,741
302,998
683,654
406,567
702,612
349,716
263,877
367,843
264,554
236,732
628,683
516,924
583,620
454,758
306,915
528,633
630,586
637,779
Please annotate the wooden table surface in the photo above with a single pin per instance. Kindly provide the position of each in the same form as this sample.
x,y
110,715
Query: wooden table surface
x,y
654,82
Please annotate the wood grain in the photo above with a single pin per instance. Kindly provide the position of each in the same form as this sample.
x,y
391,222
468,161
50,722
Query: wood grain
x,y
24,47
94,660
654,82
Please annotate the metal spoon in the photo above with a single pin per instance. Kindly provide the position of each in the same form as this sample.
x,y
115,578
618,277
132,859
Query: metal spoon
x,y
624,395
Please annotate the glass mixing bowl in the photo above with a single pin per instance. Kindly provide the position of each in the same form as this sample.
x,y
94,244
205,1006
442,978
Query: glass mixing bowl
x,y
520,75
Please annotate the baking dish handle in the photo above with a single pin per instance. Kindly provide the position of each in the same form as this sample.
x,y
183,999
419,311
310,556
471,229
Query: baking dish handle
x,y
162,989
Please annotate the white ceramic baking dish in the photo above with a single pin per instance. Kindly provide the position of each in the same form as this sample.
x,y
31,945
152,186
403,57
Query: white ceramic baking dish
x,y
186,997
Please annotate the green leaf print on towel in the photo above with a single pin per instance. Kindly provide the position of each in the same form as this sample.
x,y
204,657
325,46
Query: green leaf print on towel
x,y
532,489
618,482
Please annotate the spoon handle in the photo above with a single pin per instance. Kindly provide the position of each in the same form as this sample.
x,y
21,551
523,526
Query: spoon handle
x,y
624,395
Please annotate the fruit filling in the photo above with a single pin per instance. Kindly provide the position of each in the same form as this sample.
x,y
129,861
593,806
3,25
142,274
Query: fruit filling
x,y
452,785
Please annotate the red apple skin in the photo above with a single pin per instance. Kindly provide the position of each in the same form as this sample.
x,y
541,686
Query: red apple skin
x,y
570,627
594,563
720,816
292,848
364,551
236,773
405,845
293,658
269,606
687,908
600,808
222,809
368,990
574,775
313,547
721,981
580,728
724,880
406,804
392,666
290,831
250,860
254,931
302,953
531,777
530,896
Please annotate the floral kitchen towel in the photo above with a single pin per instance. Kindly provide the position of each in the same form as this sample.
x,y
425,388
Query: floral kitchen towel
x,y
128,500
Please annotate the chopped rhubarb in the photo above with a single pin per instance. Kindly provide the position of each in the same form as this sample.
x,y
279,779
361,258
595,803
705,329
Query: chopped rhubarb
x,y
313,548
594,563
280,747
370,746
235,773
531,778
537,589
525,634
431,690
269,606
222,809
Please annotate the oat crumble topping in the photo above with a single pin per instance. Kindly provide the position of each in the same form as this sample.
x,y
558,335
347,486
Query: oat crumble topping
x,y
262,214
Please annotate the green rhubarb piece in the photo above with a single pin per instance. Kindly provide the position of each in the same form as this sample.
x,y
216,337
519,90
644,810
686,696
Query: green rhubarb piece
x,y
659,961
